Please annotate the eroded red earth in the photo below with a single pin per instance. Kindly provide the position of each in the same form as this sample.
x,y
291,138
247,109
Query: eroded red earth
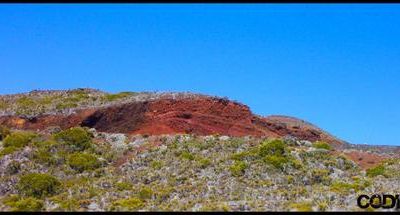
x,y
201,116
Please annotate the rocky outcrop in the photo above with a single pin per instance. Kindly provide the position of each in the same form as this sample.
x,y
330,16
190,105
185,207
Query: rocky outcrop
x,y
200,115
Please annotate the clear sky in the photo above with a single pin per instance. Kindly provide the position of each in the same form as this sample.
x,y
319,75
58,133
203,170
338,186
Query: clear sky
x,y
337,66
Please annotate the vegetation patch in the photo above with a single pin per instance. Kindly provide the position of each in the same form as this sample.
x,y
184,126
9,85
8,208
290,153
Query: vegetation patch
x,y
83,161
18,139
322,145
4,132
375,171
38,185
118,96
238,168
75,139
129,204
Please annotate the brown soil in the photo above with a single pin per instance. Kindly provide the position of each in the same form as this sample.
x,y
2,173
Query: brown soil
x,y
365,160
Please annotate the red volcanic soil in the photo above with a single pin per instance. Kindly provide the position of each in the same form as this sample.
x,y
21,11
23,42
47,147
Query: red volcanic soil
x,y
365,160
201,115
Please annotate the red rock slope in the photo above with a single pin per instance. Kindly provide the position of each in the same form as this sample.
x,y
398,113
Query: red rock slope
x,y
201,115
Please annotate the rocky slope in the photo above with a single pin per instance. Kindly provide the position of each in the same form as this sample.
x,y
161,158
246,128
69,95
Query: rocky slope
x,y
150,113
176,151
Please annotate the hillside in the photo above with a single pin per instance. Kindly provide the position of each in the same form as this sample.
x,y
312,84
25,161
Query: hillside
x,y
148,113
87,150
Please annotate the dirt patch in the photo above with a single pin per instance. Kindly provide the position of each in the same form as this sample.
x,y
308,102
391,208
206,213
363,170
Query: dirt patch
x,y
365,160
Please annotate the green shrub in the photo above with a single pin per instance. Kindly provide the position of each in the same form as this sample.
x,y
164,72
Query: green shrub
x,y
44,157
28,204
145,193
8,150
322,145
66,105
156,164
375,171
4,132
18,139
204,162
301,206
123,186
273,147
130,204
38,185
25,102
13,167
277,161
187,155
121,95
320,176
77,138
238,168
83,161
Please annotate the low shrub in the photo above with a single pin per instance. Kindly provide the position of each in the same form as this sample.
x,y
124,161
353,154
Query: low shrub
x,y
375,171
18,139
8,150
322,145
277,161
273,147
28,204
130,204
121,186
238,168
4,132
83,161
38,185
76,139
117,96
187,155
204,162
145,193
156,164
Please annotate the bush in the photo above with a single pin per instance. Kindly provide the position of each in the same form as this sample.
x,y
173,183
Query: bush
x,y
44,157
320,176
123,186
38,185
375,171
322,145
130,204
238,168
8,150
274,147
145,193
204,162
77,138
276,161
83,161
121,95
156,164
187,155
18,139
28,204
4,132
301,206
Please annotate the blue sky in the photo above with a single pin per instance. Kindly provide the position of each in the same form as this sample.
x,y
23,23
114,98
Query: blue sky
x,y
336,66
